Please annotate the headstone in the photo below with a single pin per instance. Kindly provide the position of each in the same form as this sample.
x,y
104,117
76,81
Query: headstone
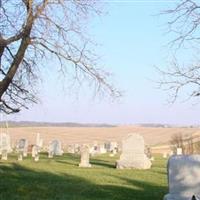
x,y
39,141
35,152
179,151
102,149
5,146
85,157
113,147
77,148
133,155
22,149
70,149
55,148
107,146
183,177
95,149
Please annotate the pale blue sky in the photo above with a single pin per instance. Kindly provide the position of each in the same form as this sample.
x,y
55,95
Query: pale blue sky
x,y
132,41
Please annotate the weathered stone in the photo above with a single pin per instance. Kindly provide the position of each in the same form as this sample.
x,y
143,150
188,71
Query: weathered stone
x,y
113,147
102,149
5,146
39,141
22,148
35,152
55,148
71,149
133,155
85,157
183,177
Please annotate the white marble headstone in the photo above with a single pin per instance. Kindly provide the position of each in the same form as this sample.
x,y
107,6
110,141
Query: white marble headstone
x,y
179,151
22,148
85,157
5,146
183,177
55,148
133,153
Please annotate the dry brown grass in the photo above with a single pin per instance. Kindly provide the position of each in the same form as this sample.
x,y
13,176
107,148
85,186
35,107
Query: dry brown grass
x,y
68,135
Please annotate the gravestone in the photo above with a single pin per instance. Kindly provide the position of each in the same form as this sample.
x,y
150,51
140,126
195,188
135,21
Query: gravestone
x,y
5,146
183,177
35,152
113,147
39,141
85,157
102,149
179,151
77,148
133,155
71,149
107,146
22,148
55,148
94,149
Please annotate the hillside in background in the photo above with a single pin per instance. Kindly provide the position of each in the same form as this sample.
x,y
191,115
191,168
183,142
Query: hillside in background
x,y
51,124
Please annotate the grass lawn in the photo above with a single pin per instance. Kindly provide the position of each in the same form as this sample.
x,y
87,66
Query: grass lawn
x,y
61,178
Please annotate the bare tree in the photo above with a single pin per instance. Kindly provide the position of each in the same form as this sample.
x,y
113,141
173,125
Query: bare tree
x,y
177,141
184,24
34,31
189,144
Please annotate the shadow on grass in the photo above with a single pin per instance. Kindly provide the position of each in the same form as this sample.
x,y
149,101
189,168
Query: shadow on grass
x,y
20,183
102,163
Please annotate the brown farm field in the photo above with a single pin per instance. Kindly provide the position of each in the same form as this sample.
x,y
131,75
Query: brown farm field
x,y
71,135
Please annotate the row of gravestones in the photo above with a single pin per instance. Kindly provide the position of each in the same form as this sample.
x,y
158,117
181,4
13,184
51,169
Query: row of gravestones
x,y
133,154
133,151
54,148
22,147
179,151
183,170
96,148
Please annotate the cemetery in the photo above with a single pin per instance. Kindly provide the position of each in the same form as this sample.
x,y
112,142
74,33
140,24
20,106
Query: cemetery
x,y
116,170
82,84
87,171
107,170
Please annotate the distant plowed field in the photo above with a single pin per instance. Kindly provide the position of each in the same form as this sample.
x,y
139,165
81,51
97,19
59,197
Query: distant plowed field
x,y
152,136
